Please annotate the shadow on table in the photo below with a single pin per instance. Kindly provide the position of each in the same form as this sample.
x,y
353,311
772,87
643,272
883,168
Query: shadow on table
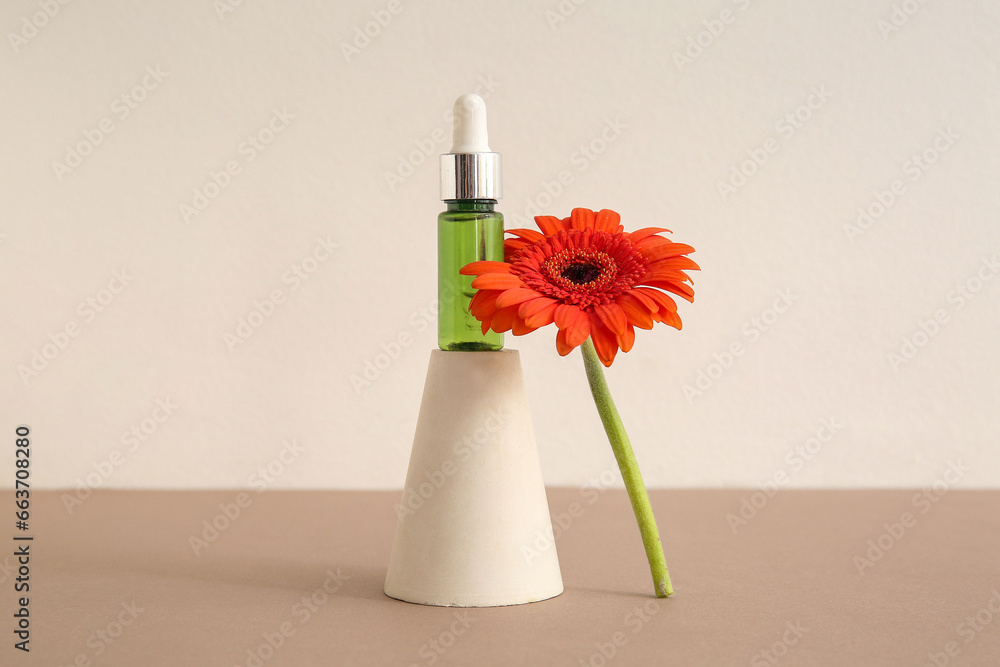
x,y
359,581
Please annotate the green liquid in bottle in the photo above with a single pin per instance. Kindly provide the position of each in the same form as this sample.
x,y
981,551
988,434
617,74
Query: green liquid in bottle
x,y
469,231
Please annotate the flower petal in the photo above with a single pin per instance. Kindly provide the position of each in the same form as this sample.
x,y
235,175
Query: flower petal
x,y
549,224
579,331
538,316
529,235
574,321
678,263
484,304
666,251
581,218
680,289
664,301
500,281
514,296
671,319
651,304
542,318
562,346
566,314
636,310
504,318
640,234
511,247
648,243
479,268
521,327
661,275
608,221
529,308
627,339
605,342
613,317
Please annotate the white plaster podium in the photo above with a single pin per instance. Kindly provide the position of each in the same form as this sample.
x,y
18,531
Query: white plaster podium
x,y
473,515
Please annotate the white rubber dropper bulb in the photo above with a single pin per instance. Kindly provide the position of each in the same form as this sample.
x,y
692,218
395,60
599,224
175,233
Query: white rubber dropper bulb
x,y
470,125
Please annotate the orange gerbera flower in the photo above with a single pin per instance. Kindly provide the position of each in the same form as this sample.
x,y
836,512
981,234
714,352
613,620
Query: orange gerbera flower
x,y
586,274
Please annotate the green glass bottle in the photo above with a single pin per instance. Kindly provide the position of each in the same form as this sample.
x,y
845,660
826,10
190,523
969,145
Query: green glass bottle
x,y
469,231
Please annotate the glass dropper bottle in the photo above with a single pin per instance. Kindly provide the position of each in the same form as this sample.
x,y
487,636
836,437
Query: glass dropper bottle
x,y
470,229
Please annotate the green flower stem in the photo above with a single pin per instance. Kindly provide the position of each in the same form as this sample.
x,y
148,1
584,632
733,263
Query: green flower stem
x,y
629,469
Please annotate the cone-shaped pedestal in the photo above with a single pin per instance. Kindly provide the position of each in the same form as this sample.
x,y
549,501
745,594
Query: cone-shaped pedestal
x,y
474,528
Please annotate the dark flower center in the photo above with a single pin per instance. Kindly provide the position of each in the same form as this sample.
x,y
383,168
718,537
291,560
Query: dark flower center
x,y
581,273
581,268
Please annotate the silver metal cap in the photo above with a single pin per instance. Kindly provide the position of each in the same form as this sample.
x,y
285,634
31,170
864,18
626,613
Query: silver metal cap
x,y
471,176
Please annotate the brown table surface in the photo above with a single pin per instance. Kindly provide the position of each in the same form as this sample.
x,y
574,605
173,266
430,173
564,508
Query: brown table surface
x,y
117,582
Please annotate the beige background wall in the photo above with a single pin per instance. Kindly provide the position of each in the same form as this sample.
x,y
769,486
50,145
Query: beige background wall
x,y
169,169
